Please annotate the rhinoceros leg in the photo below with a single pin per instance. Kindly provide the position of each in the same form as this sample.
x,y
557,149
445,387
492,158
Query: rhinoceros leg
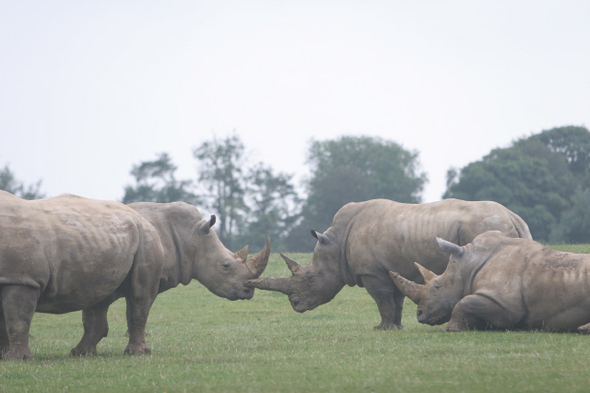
x,y
476,312
96,327
3,335
137,314
389,301
18,306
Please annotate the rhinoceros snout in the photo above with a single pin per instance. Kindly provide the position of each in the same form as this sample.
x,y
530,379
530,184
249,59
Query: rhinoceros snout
x,y
299,305
247,293
242,294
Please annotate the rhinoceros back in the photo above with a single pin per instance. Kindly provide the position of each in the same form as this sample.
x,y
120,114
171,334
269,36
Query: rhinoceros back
x,y
383,234
75,250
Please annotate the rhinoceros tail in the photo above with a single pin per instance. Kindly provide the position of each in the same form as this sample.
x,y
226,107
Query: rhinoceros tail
x,y
520,226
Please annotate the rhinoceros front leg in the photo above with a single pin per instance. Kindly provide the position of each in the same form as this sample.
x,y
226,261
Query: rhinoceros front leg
x,y
390,301
137,314
475,312
18,306
3,335
96,327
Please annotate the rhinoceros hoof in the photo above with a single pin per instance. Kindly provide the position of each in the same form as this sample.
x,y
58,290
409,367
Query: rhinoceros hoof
x,y
17,355
138,350
388,326
83,352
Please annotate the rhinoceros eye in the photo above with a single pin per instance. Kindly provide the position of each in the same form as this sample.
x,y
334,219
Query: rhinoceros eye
x,y
435,287
226,266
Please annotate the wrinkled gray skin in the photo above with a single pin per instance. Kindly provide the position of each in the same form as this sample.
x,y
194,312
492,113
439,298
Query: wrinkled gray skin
x,y
503,283
69,253
368,239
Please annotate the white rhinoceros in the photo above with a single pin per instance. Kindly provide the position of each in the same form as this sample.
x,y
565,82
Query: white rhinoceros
x,y
368,239
69,253
504,283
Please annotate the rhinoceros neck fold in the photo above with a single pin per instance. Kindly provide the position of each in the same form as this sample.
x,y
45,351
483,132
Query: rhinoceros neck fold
x,y
345,270
177,267
470,272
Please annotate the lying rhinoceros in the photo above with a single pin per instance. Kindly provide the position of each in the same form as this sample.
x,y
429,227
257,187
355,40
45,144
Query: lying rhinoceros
x,y
368,239
70,253
504,283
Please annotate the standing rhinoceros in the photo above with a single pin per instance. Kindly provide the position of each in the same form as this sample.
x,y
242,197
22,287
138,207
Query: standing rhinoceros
x,y
70,253
368,239
504,283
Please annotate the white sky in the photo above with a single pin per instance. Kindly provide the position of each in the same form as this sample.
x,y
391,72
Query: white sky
x,y
89,88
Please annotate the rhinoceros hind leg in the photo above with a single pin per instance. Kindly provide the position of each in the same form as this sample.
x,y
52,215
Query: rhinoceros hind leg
x,y
137,314
3,335
584,329
96,327
389,301
18,306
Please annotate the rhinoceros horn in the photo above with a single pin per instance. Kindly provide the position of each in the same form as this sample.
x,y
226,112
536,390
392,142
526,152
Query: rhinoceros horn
x,y
279,284
243,253
427,274
293,266
258,262
409,288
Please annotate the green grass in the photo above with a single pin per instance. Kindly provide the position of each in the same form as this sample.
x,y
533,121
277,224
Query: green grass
x,y
202,343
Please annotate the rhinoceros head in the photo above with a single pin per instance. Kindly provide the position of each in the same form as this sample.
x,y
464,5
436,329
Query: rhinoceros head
x,y
312,285
226,272
437,297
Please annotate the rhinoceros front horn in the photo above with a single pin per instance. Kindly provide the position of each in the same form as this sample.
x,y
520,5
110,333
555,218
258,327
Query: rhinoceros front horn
x,y
278,284
258,262
407,287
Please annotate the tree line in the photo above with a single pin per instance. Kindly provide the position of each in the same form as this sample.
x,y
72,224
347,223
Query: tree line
x,y
545,178
253,201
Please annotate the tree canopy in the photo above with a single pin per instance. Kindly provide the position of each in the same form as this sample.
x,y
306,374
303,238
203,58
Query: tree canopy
x,y
273,207
221,173
353,169
537,177
251,200
9,182
545,178
155,182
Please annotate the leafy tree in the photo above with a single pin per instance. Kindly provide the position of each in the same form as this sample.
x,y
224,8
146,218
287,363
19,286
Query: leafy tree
x,y
221,174
535,177
155,182
574,225
9,182
273,208
353,169
572,143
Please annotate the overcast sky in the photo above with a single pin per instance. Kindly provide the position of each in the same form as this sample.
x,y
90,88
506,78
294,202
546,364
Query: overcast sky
x,y
89,88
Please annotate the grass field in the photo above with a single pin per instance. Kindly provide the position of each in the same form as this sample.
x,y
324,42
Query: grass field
x,y
202,343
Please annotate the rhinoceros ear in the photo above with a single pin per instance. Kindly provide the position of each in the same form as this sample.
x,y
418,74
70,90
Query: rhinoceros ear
x,y
323,239
452,248
205,227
